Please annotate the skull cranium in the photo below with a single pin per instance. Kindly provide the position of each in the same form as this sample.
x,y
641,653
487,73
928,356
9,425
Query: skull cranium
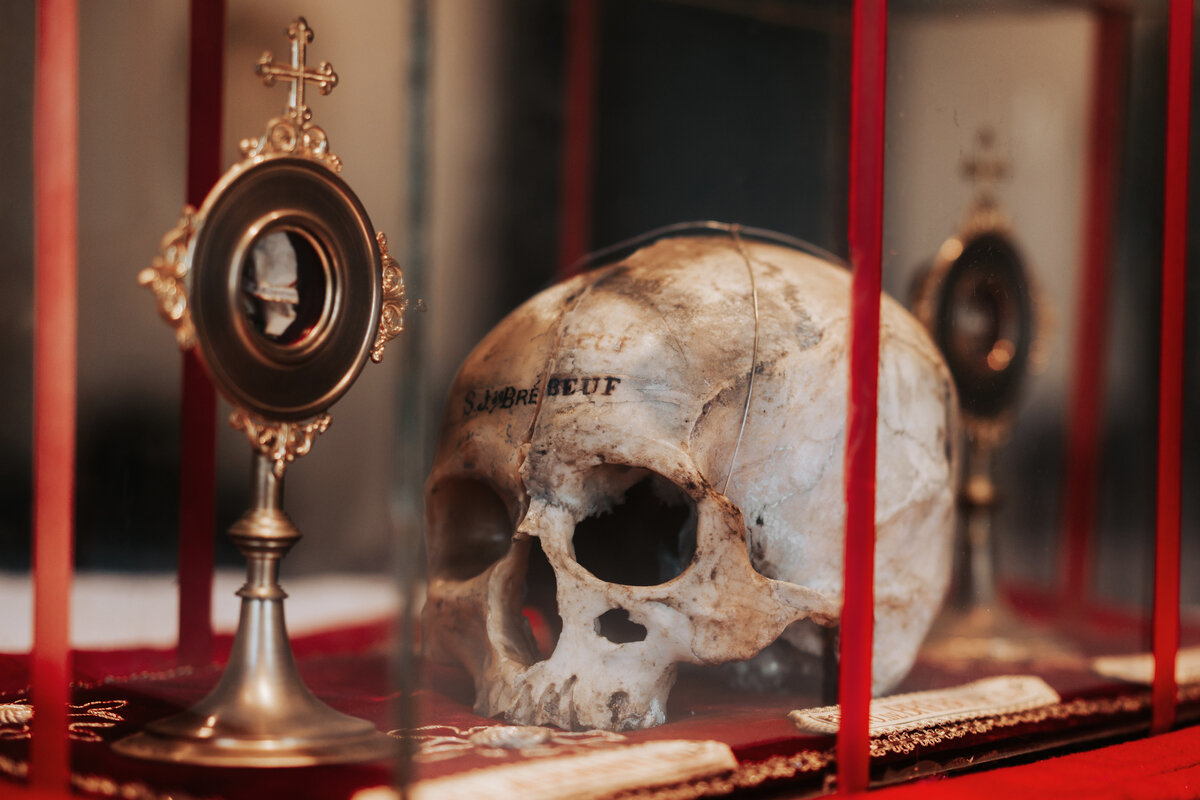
x,y
669,431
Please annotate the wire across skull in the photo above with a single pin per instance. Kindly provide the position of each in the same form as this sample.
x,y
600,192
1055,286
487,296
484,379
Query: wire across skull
x,y
669,432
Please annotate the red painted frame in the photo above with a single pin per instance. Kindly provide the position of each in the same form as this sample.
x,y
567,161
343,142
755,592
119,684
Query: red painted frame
x,y
1109,65
55,219
1171,348
868,89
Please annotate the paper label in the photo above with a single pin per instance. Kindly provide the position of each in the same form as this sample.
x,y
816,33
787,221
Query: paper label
x,y
589,775
1139,667
904,712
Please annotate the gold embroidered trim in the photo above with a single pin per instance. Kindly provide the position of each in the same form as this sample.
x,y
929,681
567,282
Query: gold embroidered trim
x,y
746,776
903,742
99,785
150,675
1082,707
143,675
15,719
107,787
17,713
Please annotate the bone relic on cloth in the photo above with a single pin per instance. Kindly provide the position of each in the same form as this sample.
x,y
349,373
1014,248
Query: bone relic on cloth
x,y
598,423
274,281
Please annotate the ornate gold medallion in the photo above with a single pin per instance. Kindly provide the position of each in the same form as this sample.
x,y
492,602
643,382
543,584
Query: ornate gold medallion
x,y
980,304
285,288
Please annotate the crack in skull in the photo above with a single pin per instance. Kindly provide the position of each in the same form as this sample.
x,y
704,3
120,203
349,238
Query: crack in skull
x,y
625,426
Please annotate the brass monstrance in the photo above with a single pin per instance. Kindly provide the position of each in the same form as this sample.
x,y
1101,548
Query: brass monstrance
x,y
281,282
979,304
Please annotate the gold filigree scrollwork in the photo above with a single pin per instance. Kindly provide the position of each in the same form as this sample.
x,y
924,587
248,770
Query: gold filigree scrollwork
x,y
284,136
282,442
293,133
166,277
395,301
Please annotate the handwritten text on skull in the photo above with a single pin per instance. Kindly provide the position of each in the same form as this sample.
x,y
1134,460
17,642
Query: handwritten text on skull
x,y
488,401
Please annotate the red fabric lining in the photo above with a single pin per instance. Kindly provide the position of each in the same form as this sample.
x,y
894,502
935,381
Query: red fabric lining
x,y
868,81
359,683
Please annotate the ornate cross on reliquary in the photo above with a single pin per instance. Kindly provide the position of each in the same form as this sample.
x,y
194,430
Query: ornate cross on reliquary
x,y
285,290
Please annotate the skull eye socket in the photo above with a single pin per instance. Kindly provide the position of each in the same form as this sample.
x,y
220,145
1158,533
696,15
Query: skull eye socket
x,y
645,532
469,528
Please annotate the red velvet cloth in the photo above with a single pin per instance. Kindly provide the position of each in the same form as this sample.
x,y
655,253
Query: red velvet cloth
x,y
117,693
1157,768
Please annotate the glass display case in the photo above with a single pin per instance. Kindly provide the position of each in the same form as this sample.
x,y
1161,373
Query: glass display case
x,y
634,536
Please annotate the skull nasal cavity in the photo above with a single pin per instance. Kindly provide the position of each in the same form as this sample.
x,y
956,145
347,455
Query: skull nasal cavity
x,y
618,628
646,537
469,528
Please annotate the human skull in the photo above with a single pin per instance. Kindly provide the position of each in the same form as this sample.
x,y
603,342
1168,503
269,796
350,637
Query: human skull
x,y
607,421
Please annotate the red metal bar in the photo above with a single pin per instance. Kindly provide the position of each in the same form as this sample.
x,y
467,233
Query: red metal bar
x,y
198,415
1170,388
1083,422
55,221
579,108
868,79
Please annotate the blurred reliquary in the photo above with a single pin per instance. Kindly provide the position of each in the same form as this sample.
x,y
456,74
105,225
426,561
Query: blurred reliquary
x,y
284,288
979,302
